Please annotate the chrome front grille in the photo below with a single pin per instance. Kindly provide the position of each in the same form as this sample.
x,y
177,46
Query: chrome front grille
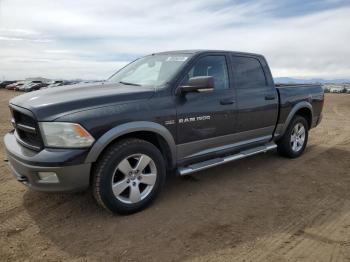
x,y
26,129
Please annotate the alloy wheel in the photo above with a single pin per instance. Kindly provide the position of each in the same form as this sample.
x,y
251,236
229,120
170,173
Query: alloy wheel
x,y
134,178
297,139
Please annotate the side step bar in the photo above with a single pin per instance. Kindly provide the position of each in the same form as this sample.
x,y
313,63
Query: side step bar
x,y
222,160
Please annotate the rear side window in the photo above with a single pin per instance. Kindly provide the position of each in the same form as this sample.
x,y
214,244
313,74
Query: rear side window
x,y
248,72
212,65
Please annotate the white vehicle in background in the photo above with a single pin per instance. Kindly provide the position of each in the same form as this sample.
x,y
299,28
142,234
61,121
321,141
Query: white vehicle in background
x,y
58,83
25,85
35,85
54,84
336,89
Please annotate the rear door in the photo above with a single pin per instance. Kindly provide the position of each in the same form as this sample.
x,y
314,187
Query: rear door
x,y
205,120
257,99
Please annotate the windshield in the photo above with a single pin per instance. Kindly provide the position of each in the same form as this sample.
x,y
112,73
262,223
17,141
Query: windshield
x,y
153,70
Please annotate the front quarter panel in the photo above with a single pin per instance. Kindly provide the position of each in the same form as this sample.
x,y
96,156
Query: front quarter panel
x,y
110,122
130,127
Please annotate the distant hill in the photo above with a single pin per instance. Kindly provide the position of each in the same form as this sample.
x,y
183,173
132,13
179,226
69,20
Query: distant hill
x,y
290,80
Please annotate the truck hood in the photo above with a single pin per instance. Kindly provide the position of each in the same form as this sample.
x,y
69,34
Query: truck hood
x,y
51,103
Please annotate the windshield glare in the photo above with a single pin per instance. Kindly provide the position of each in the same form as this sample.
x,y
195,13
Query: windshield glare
x,y
153,70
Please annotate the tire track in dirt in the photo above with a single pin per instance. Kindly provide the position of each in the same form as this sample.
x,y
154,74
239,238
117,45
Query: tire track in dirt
x,y
306,243
271,244
296,240
311,240
266,246
335,109
7,201
19,217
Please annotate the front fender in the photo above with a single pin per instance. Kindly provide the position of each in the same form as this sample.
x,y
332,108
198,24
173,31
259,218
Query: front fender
x,y
126,128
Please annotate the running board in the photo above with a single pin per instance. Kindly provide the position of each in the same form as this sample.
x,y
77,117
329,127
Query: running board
x,y
222,160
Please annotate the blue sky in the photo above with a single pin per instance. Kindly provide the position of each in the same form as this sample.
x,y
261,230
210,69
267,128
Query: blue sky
x,y
91,39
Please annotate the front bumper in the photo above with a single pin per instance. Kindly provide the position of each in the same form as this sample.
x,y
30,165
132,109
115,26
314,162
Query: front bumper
x,y
72,173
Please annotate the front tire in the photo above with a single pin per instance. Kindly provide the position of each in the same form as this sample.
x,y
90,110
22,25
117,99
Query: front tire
x,y
294,141
129,176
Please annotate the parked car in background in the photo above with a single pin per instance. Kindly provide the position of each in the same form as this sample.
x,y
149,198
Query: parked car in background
x,y
54,84
16,85
11,86
26,84
3,84
32,86
57,83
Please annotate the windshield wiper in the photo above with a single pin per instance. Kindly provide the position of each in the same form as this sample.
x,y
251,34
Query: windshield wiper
x,y
129,84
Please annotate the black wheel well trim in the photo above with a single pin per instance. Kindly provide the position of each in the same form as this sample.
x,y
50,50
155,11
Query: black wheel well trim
x,y
296,110
127,130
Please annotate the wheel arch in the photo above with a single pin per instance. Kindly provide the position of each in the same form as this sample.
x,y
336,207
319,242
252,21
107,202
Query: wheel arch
x,y
306,113
303,109
148,131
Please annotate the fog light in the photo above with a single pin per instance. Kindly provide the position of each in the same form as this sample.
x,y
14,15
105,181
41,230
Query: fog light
x,y
47,177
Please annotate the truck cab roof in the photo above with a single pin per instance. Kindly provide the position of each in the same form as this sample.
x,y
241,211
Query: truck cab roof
x,y
203,51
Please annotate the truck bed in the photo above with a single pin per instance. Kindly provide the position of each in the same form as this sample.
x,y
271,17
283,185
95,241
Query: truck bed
x,y
292,94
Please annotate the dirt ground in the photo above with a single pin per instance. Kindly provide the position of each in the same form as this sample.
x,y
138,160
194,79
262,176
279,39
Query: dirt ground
x,y
264,208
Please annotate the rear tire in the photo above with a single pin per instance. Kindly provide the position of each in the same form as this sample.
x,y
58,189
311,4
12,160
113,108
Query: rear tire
x,y
294,141
129,176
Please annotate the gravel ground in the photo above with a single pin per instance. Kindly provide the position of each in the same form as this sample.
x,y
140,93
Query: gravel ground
x,y
264,208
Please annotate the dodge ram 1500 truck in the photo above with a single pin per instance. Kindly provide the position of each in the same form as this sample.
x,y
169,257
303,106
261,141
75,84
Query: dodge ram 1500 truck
x,y
180,111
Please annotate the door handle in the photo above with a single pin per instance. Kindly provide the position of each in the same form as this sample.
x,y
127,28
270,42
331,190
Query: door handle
x,y
227,101
270,97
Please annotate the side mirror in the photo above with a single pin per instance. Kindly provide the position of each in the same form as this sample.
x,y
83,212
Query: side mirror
x,y
198,84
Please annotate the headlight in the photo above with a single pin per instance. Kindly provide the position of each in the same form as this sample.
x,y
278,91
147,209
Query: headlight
x,y
65,135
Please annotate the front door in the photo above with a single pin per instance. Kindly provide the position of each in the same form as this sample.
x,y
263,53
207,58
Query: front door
x,y
205,120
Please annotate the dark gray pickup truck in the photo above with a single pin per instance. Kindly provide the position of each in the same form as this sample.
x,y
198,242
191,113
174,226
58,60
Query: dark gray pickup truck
x,y
180,111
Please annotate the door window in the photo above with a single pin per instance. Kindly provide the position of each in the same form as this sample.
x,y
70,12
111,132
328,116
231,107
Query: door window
x,y
248,72
214,66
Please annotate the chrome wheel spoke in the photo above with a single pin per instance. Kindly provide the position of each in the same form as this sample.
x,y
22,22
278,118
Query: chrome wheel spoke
x,y
148,179
135,195
297,138
142,162
294,147
295,130
119,187
132,171
301,131
125,167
